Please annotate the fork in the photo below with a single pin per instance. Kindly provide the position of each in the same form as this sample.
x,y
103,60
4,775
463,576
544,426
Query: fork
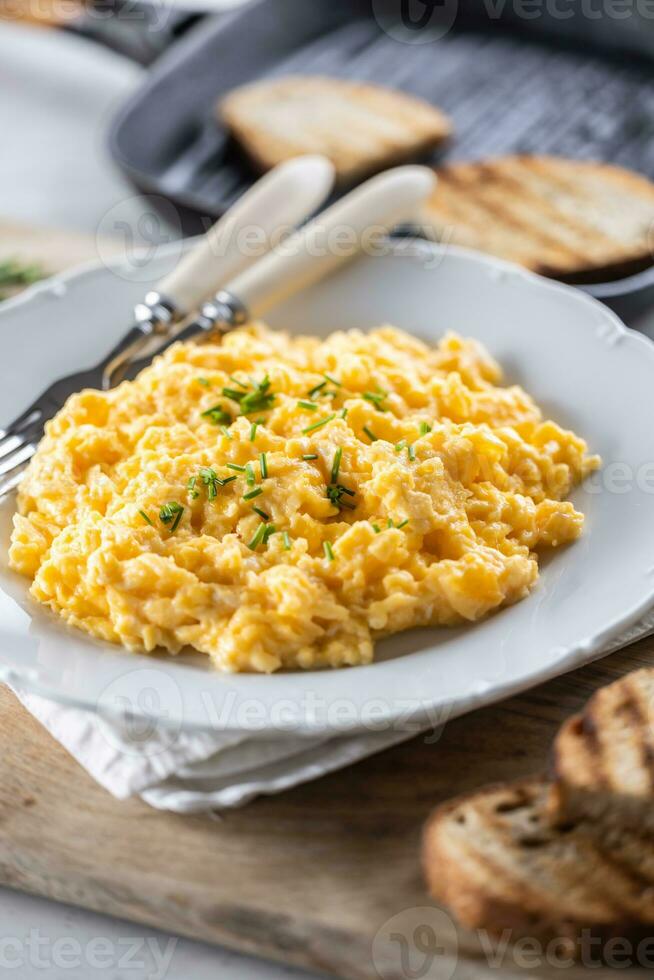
x,y
283,198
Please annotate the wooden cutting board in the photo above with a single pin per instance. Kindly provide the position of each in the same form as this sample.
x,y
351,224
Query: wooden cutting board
x,y
326,876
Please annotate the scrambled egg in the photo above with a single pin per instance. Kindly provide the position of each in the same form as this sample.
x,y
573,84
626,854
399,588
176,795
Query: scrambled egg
x,y
281,502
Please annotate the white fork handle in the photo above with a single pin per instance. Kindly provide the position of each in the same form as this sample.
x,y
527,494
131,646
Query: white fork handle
x,y
282,199
334,237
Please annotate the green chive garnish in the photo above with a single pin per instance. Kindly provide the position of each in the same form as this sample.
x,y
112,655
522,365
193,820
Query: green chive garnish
x,y
171,513
204,382
425,428
194,493
258,537
217,415
253,493
336,465
225,431
287,541
329,551
261,513
237,382
263,464
376,398
333,380
270,529
146,518
344,412
403,524
376,528
253,431
400,446
310,406
316,389
308,456
319,424
371,435
235,466
250,477
412,453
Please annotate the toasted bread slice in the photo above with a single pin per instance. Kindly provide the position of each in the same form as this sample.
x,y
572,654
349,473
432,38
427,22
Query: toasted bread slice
x,y
573,220
494,860
604,758
362,128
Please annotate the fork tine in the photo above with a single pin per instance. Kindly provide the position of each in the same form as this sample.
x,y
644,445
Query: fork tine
x,y
11,442
11,480
28,417
20,455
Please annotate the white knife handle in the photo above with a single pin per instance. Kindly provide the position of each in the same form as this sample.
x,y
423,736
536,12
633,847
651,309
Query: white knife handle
x,y
334,237
282,199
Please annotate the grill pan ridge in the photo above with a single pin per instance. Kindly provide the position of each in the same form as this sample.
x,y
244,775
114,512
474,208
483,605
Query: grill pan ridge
x,y
505,93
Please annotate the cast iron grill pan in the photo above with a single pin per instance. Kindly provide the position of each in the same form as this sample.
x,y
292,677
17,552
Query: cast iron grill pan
x,y
506,94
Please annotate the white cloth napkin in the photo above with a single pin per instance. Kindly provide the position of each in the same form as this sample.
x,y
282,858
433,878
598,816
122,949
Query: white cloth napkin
x,y
190,773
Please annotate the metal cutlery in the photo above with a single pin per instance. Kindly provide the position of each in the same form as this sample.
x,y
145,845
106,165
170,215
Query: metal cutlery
x,y
282,199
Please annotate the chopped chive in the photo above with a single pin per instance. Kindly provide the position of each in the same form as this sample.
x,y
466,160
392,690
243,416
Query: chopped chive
x,y
171,512
253,431
319,424
344,412
146,518
316,389
400,446
403,524
250,477
237,382
253,493
335,492
225,431
412,453
329,551
217,415
260,399
261,513
376,398
376,528
270,529
310,406
425,428
235,466
194,493
258,537
287,541
308,456
204,382
263,464
227,479
333,380
389,523
232,394
371,435
336,465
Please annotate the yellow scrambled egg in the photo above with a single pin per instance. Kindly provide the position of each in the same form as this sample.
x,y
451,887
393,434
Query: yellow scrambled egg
x,y
281,502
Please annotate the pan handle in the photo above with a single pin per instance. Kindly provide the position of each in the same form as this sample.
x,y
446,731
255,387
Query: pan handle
x,y
138,29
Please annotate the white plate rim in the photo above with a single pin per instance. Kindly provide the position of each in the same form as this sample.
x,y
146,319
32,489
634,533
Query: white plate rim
x,y
584,651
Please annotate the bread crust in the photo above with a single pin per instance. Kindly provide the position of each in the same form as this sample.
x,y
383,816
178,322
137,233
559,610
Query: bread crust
x,y
575,220
362,128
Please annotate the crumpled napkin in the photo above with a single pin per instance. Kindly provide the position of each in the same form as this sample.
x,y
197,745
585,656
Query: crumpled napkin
x,y
213,770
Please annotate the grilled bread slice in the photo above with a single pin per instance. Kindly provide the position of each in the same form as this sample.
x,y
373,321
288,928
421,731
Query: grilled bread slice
x,y
604,758
495,861
573,220
362,128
